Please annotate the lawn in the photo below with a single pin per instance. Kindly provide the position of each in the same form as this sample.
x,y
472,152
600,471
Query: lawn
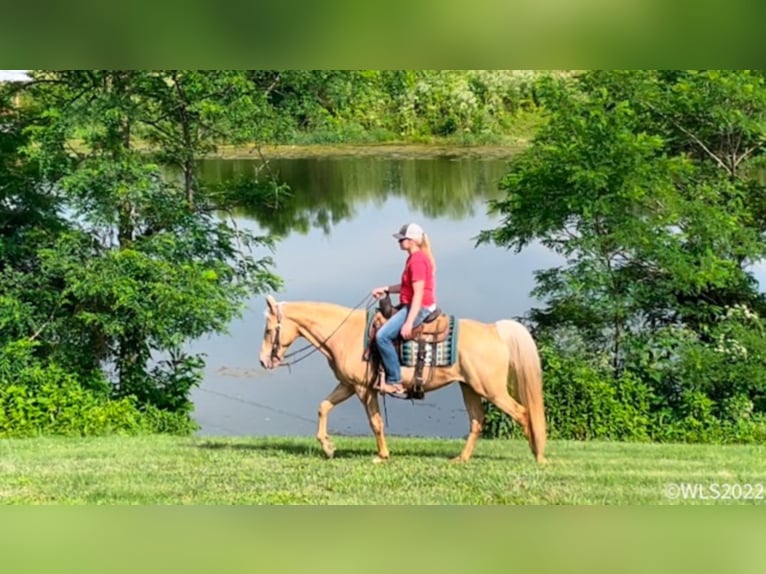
x,y
282,470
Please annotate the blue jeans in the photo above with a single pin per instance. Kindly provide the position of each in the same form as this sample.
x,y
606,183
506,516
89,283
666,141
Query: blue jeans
x,y
384,339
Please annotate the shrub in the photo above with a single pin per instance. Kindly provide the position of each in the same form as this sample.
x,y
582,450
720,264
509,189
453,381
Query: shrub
x,y
46,400
676,389
583,401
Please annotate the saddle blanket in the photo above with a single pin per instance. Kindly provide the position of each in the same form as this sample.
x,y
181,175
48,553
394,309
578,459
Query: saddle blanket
x,y
443,354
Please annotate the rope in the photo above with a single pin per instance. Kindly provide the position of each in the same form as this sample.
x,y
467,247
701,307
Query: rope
x,y
260,405
313,349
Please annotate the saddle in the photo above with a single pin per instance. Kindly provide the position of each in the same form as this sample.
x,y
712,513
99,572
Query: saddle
x,y
436,328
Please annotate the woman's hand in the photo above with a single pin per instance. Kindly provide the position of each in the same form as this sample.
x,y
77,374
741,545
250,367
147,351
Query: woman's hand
x,y
406,331
378,292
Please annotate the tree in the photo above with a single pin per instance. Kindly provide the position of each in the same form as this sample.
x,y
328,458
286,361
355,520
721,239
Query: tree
x,y
141,260
645,182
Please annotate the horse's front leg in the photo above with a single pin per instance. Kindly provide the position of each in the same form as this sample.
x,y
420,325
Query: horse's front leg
x,y
370,400
338,395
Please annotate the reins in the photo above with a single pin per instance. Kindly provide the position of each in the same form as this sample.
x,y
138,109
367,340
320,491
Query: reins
x,y
312,348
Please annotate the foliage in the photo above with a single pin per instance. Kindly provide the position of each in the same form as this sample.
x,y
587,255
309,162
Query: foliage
x,y
666,395
359,106
583,402
37,399
651,192
475,102
114,252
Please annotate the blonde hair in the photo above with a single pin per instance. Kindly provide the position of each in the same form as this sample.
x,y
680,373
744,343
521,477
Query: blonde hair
x,y
425,246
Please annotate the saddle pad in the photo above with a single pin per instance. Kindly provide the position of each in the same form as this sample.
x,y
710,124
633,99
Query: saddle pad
x,y
442,354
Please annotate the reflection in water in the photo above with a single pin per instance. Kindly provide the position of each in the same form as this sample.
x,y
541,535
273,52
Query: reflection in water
x,y
337,223
326,191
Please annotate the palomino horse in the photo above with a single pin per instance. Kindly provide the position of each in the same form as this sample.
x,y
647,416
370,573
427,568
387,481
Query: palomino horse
x,y
498,362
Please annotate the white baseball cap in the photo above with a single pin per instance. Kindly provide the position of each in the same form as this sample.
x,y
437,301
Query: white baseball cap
x,y
409,231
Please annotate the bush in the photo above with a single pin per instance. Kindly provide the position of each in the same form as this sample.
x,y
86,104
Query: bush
x,y
708,386
46,400
583,401
676,389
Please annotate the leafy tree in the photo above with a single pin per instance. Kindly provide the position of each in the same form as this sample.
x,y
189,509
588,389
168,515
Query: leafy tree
x,y
386,105
646,183
138,257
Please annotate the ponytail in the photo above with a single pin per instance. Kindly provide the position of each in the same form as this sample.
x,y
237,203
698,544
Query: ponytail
x,y
425,246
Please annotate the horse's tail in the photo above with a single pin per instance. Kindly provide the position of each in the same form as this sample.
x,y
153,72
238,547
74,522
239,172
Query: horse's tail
x,y
525,377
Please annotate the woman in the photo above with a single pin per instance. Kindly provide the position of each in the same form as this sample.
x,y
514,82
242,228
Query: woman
x,y
417,296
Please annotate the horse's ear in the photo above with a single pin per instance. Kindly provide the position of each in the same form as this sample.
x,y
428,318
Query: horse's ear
x,y
272,303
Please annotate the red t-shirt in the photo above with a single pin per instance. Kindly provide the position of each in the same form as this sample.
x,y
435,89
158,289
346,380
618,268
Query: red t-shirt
x,y
417,268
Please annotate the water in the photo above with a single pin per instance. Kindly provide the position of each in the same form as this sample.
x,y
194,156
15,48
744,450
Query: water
x,y
338,246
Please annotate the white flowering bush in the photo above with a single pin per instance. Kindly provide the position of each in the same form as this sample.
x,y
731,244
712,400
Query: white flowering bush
x,y
460,102
728,366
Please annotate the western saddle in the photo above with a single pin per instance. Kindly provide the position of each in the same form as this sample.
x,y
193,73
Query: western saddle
x,y
434,329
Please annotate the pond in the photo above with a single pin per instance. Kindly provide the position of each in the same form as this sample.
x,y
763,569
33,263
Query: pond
x,y
337,225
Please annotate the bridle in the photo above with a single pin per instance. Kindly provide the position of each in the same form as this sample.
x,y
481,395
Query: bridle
x,y
276,343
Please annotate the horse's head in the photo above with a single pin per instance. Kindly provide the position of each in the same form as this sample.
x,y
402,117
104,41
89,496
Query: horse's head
x,y
278,335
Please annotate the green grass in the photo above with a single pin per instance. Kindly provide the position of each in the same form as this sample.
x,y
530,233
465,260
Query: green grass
x,y
171,470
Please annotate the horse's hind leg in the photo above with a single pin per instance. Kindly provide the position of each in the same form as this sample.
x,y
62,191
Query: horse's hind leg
x,y
512,408
476,416
338,395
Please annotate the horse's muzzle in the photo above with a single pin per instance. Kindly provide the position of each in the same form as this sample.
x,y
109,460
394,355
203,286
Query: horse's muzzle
x,y
270,363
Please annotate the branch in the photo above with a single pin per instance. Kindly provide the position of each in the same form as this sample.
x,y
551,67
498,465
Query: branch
x,y
702,145
742,158
39,331
691,135
20,87
237,235
274,83
163,131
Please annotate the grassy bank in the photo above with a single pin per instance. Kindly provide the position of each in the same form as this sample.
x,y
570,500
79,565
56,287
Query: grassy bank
x,y
167,470
384,150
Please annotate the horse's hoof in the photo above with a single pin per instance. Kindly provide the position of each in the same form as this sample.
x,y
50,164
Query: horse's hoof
x,y
458,459
377,459
329,450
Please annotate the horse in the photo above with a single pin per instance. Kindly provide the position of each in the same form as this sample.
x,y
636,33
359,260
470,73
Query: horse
x,y
498,362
